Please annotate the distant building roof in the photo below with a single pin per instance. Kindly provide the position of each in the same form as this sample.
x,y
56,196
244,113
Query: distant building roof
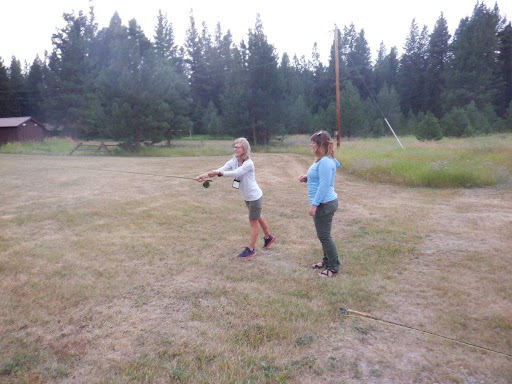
x,y
16,121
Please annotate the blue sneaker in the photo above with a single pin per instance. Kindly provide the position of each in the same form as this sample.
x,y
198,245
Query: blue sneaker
x,y
268,241
247,252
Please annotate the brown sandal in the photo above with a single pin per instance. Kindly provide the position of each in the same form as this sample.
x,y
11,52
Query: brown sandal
x,y
328,273
319,265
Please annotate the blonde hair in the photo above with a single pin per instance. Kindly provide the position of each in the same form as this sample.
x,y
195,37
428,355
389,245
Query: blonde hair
x,y
325,144
245,145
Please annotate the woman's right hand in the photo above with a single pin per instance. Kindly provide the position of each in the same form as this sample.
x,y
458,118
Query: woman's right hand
x,y
303,178
201,177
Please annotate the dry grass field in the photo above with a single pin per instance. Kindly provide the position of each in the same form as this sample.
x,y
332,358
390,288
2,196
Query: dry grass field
x,y
112,277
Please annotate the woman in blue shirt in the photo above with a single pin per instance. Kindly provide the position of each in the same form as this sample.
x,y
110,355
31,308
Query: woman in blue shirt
x,y
323,201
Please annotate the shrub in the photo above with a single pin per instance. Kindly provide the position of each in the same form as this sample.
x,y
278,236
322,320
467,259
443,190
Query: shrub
x,y
429,128
477,118
211,121
410,124
456,124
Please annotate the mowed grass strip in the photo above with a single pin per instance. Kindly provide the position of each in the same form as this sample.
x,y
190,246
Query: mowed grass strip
x,y
140,283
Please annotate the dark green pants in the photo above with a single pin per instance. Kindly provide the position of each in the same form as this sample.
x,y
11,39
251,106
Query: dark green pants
x,y
323,223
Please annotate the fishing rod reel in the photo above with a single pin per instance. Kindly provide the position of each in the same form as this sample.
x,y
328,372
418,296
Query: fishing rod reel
x,y
206,184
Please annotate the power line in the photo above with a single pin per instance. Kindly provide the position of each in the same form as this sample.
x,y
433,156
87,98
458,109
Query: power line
x,y
375,101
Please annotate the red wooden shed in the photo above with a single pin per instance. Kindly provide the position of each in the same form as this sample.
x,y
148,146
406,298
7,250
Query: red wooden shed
x,y
21,129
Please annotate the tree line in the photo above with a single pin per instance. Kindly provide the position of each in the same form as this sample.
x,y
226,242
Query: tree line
x,y
117,83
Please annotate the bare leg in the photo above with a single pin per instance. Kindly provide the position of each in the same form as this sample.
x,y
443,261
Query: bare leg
x,y
254,233
264,226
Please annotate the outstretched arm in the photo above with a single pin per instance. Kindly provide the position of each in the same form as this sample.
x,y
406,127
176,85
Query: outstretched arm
x,y
216,172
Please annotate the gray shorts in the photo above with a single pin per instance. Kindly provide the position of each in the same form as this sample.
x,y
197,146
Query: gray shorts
x,y
255,208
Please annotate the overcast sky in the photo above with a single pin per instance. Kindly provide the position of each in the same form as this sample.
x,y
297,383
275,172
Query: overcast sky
x,y
26,26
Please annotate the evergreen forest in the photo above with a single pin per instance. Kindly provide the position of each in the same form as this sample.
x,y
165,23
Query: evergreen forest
x,y
119,83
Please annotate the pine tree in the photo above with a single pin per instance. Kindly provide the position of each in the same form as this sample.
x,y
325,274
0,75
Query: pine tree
x,y
105,47
392,67
211,121
16,87
75,104
286,78
264,85
477,118
5,94
436,62
165,46
325,120
412,84
386,69
429,128
34,85
389,103
300,117
508,118
359,65
411,124
197,71
505,67
304,80
322,83
214,52
144,94
379,68
235,98
353,119
456,123
472,73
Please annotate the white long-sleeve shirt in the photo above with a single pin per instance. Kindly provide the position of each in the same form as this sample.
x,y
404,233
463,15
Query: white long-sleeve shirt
x,y
246,175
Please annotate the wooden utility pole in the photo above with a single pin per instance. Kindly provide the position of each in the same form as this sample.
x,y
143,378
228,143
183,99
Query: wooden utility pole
x,y
338,99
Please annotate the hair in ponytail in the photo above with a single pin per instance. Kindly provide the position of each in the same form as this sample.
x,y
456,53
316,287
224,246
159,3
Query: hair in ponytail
x,y
325,144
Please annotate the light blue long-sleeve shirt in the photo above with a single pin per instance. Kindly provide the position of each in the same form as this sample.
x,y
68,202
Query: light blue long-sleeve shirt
x,y
320,181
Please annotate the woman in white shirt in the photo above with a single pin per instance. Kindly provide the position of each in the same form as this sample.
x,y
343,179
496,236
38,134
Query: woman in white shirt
x,y
241,168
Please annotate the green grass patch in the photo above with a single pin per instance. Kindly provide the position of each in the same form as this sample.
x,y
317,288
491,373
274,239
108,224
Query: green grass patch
x,y
454,163
449,163
50,146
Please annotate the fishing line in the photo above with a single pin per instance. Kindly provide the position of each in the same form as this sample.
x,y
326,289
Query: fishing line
x,y
350,312
206,183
